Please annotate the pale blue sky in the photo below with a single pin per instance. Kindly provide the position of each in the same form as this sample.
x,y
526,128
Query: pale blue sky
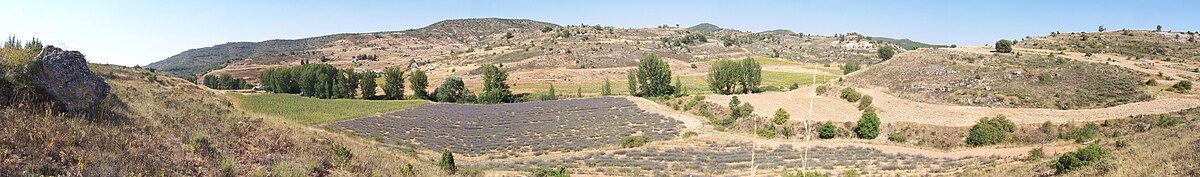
x,y
141,32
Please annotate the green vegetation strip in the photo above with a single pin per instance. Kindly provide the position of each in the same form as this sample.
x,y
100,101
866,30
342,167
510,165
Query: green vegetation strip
x,y
312,111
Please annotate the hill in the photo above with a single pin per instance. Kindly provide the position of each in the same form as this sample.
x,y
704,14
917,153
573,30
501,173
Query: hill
x,y
1003,80
1135,44
168,126
906,43
451,47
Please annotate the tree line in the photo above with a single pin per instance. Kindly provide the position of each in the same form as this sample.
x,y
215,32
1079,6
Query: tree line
x,y
225,82
735,76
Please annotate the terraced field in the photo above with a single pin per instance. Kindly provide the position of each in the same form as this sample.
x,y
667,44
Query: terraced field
x,y
733,158
513,130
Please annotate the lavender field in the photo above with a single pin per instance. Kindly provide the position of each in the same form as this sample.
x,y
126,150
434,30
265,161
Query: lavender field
x,y
514,130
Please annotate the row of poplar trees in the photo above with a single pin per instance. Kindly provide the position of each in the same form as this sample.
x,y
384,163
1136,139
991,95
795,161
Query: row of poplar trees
x,y
735,76
325,81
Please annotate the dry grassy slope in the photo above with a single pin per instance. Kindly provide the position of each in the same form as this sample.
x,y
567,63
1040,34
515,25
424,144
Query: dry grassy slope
x,y
173,128
1003,80
1150,150
1140,44
464,42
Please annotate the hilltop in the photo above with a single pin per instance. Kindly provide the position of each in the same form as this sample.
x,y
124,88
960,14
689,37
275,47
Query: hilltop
x,y
519,45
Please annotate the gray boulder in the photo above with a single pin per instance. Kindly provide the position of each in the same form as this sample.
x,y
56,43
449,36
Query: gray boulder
x,y
65,77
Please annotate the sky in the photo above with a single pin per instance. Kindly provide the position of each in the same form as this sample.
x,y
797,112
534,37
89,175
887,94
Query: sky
x,y
141,32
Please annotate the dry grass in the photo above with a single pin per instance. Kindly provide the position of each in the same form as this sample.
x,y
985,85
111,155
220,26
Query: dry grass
x,y
1003,80
174,128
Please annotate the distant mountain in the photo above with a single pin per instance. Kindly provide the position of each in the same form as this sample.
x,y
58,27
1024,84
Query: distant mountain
x,y
780,32
907,43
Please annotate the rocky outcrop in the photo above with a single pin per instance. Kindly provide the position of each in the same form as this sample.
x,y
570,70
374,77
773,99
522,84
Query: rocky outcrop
x,y
66,79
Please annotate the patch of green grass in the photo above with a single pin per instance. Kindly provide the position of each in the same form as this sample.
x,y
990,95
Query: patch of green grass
x,y
312,111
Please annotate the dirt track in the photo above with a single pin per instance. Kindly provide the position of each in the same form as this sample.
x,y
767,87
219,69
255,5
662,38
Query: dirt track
x,y
894,109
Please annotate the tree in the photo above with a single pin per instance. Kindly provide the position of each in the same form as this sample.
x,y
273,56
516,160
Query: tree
x,y
606,90
751,76
447,162
368,87
631,78
850,67
679,91
886,52
495,90
724,75
451,91
827,130
393,84
550,95
990,131
1004,46
734,112
578,92
781,116
653,77
419,83
1159,28
868,125
1101,28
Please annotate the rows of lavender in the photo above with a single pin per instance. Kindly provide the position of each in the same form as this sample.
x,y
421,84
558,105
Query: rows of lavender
x,y
713,158
518,129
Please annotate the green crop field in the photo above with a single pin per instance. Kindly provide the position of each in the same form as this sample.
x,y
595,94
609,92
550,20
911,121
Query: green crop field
x,y
312,111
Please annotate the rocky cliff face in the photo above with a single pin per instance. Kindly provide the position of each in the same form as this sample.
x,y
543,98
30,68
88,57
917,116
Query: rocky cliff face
x,y
66,79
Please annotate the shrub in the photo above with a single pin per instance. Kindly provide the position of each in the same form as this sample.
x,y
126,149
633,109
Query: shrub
x,y
447,162
807,174
827,130
689,134
634,141
794,86
897,137
850,94
821,89
342,155
1035,154
781,116
543,172
734,104
864,103
1082,134
850,67
766,132
990,131
1004,46
550,95
886,53
868,125
452,91
1166,121
1079,158
1151,82
607,89
1182,86
227,165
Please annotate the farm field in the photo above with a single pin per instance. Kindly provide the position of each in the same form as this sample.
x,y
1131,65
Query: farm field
x,y
518,129
312,111
724,158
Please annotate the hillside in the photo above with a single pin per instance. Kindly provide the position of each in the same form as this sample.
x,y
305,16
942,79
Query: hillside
x,y
1003,80
171,127
906,43
1135,44
520,45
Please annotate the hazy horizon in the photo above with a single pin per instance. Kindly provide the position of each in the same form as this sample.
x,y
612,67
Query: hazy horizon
x,y
140,32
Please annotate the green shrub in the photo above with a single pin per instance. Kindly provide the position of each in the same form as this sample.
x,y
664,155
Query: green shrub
x,y
1182,86
1082,134
689,134
544,172
827,130
850,94
821,89
766,132
1004,46
227,165
781,117
342,155
990,131
886,53
850,67
868,126
865,102
634,141
1079,158
794,86
447,162
806,174
897,137
1166,121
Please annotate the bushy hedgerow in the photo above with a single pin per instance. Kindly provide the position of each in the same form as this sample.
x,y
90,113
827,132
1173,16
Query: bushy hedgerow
x,y
1082,157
